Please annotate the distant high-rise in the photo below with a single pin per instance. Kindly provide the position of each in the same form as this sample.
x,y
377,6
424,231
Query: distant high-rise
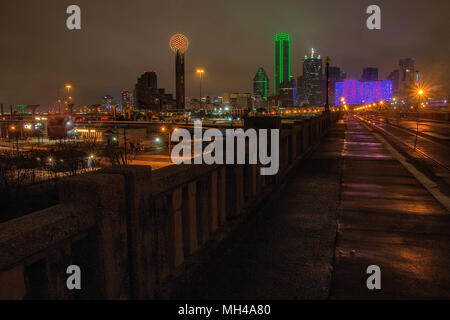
x,y
287,93
127,99
310,90
335,75
107,102
406,77
148,80
282,60
394,77
147,95
261,84
370,74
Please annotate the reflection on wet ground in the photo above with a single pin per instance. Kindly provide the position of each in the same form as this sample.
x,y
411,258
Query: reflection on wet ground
x,y
387,218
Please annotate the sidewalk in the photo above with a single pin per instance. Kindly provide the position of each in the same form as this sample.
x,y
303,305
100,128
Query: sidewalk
x,y
349,206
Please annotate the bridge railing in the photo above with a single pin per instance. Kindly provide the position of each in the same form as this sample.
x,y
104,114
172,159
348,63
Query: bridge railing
x,y
129,228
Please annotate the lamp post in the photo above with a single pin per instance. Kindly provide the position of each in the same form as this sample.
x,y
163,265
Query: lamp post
x,y
420,94
69,98
327,103
169,131
68,87
201,72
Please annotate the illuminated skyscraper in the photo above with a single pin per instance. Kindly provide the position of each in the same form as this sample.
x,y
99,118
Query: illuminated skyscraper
x,y
282,60
261,84
310,86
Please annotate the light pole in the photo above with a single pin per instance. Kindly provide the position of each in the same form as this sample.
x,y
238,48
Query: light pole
x,y
169,132
68,87
327,104
201,72
69,98
420,94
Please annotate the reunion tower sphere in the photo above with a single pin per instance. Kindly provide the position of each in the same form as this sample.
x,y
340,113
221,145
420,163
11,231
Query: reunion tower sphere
x,y
179,42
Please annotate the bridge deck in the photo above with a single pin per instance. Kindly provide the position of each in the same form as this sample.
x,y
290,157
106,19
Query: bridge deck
x,y
349,206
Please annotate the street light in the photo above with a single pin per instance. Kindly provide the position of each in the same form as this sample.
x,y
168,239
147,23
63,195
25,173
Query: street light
x,y
68,87
200,72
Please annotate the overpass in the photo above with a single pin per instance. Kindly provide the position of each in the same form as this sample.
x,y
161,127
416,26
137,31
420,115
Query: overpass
x,y
342,200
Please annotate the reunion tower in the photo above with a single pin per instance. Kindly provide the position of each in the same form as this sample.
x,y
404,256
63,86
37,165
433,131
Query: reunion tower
x,y
179,43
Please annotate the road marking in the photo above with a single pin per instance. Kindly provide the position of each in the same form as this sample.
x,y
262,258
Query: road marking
x,y
424,180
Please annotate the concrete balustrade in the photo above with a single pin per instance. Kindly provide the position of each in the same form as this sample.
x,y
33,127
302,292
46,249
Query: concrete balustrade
x,y
129,228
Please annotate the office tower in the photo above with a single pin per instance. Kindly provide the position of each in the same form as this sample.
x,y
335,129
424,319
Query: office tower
x,y
282,60
406,80
127,99
107,102
261,84
358,92
394,77
179,44
147,96
299,90
335,75
288,93
311,87
370,74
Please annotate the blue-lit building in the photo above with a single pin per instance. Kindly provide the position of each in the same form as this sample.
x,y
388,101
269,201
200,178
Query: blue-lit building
x,y
357,92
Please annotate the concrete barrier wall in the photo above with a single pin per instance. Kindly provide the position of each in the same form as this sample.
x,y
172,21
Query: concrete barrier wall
x,y
129,228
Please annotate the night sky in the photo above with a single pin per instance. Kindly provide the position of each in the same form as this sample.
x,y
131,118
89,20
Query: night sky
x,y
121,39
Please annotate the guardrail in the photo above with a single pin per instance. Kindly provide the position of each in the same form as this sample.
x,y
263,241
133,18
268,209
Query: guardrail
x,y
129,228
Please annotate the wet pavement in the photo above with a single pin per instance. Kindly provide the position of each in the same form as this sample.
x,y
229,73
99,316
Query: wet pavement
x,y
430,153
349,206
436,129
387,218
434,144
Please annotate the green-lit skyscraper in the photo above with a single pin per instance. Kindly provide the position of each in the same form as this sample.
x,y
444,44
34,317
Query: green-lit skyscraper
x,y
261,84
282,60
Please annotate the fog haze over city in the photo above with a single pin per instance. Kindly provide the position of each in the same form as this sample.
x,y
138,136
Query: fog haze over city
x,y
119,40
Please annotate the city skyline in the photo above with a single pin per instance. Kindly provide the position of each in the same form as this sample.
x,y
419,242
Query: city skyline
x,y
106,58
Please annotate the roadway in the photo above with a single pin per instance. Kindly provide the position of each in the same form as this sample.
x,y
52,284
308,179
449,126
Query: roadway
x,y
429,149
436,129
